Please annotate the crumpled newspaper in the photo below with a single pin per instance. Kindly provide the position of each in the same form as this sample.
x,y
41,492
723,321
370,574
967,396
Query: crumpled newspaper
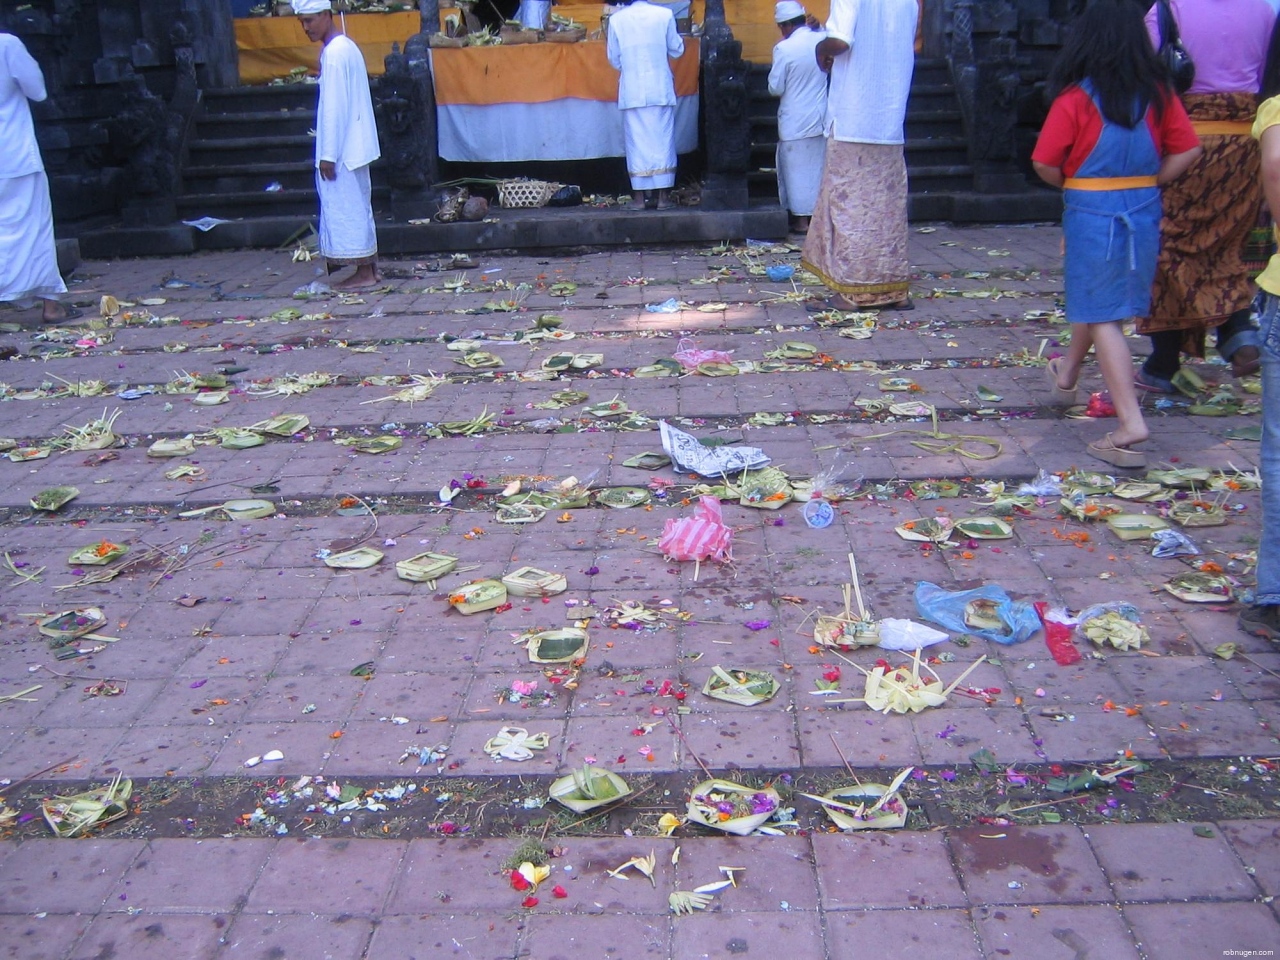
x,y
688,455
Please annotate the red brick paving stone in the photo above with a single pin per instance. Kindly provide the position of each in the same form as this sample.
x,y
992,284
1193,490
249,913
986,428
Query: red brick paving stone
x,y
1230,728
1193,931
182,703
778,869
168,750
1055,933
327,876
1171,678
1095,735
1000,729
466,748
306,936
435,937
40,938
284,697
755,741
73,707
713,935
159,880
885,869
864,737
563,937
609,737
900,933
1166,861
150,937
61,877
1028,865
306,747
86,746
1257,843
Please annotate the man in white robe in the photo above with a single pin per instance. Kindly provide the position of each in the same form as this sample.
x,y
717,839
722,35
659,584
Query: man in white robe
x,y
797,79
346,143
28,254
642,41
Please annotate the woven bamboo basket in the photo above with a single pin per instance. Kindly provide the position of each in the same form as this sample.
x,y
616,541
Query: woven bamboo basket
x,y
526,193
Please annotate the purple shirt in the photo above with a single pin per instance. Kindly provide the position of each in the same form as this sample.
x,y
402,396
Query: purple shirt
x,y
1227,41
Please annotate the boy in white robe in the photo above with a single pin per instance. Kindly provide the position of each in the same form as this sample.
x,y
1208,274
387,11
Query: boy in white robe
x,y
642,41
346,143
796,78
28,254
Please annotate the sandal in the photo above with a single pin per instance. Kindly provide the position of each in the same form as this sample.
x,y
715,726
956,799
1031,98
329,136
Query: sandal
x,y
1060,396
72,313
1107,451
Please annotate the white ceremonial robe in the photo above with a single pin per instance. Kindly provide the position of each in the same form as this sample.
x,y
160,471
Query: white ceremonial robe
x,y
802,87
347,137
28,254
533,14
642,40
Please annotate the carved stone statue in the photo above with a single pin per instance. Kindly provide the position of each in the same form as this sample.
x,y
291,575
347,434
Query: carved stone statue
x,y
404,101
726,124
139,134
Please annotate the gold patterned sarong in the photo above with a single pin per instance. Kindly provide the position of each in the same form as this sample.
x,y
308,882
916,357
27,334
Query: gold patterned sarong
x,y
857,240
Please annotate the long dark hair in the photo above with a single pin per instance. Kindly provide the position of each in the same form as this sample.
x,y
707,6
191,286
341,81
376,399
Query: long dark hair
x,y
1109,46
1271,72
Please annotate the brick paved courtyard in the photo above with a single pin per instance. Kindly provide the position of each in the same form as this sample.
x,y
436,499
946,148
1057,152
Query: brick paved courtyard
x,y
247,644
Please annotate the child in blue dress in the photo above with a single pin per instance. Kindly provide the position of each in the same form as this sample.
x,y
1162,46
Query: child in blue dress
x,y
1115,133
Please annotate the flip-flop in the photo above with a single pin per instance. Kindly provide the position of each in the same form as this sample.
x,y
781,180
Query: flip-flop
x,y
1059,396
1107,451
1146,382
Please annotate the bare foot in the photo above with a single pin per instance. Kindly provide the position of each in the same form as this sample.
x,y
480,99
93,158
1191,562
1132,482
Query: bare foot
x,y
637,202
1127,438
364,277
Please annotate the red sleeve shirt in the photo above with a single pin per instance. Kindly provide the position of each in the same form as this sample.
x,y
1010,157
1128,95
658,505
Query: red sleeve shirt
x,y
1073,126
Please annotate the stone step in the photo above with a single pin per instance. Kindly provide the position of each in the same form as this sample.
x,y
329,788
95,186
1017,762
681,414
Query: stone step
x,y
260,98
206,152
251,125
246,203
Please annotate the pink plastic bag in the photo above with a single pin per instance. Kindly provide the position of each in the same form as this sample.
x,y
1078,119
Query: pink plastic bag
x,y
689,357
700,537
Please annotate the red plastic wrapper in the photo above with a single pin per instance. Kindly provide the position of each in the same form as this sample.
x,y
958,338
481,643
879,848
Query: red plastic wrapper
x,y
1057,637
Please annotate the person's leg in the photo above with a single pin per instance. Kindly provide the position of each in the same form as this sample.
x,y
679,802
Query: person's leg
x,y
1237,341
664,200
1116,363
1263,618
638,199
1068,367
1165,360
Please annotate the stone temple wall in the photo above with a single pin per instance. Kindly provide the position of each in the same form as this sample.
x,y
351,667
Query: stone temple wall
x,y
123,79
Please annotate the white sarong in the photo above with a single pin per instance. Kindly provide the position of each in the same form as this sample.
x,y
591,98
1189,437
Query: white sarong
x,y
347,234
649,134
800,174
29,266
533,14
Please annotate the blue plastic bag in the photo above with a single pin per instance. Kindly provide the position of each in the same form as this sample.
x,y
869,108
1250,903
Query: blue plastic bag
x,y
948,608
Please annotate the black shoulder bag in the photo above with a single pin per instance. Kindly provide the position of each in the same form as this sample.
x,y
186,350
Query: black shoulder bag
x,y
1182,70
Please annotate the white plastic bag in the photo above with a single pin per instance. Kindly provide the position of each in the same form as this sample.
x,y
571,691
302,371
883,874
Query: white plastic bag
x,y
908,635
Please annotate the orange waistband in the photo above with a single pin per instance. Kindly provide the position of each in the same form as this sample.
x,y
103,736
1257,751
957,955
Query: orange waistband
x,y
1108,183
1223,128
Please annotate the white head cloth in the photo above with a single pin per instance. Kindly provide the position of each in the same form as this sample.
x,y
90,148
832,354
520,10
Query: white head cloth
x,y
306,8
784,11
